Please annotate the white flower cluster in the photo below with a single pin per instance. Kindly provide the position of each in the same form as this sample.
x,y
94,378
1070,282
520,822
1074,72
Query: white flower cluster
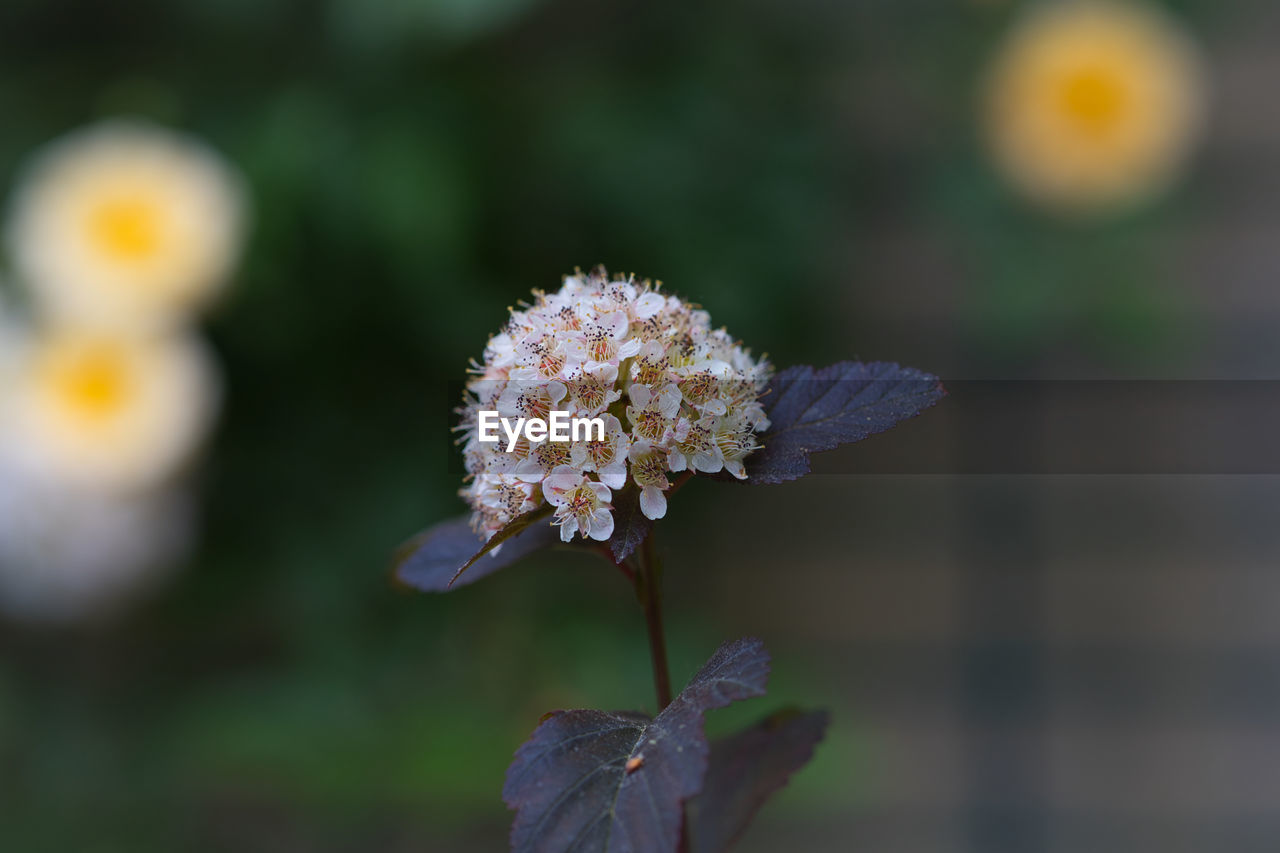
x,y
675,395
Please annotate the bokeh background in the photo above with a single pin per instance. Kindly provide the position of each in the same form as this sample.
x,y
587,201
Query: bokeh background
x,y
1014,661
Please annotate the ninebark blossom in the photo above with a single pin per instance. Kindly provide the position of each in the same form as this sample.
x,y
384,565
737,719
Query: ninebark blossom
x,y
676,395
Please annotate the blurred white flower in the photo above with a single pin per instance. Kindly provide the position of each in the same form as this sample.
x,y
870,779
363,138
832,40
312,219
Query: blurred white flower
x,y
1093,103
68,553
126,224
108,413
10,337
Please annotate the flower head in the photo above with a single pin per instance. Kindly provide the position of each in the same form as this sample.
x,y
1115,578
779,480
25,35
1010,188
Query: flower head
x,y
126,224
671,392
1093,103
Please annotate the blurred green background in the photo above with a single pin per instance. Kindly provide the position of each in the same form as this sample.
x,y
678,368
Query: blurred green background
x,y
810,172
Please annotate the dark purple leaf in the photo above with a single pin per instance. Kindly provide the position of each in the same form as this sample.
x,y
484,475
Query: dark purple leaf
x,y
747,768
820,409
436,559
601,782
630,525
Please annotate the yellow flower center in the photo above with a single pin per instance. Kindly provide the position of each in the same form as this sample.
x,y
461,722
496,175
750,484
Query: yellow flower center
x,y
602,453
1095,99
92,383
582,502
127,228
650,469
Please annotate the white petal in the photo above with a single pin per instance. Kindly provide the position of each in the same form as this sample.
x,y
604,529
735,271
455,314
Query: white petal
x,y
601,525
561,479
615,475
669,401
708,462
653,503
615,324
648,305
640,395
529,471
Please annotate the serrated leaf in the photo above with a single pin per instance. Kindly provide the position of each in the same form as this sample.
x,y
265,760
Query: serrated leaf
x,y
820,409
747,768
616,782
630,526
435,560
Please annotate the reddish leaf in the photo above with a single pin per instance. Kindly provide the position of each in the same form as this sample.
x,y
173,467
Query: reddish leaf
x,y
601,782
820,409
439,558
745,770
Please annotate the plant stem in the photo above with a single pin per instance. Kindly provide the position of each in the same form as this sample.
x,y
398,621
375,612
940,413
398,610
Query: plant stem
x,y
649,593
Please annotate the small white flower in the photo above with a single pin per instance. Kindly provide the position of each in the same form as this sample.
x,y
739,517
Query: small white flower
x,y
608,458
497,499
653,415
602,341
652,366
707,385
540,358
649,470
695,448
501,351
527,399
581,504
594,391
735,436
544,457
